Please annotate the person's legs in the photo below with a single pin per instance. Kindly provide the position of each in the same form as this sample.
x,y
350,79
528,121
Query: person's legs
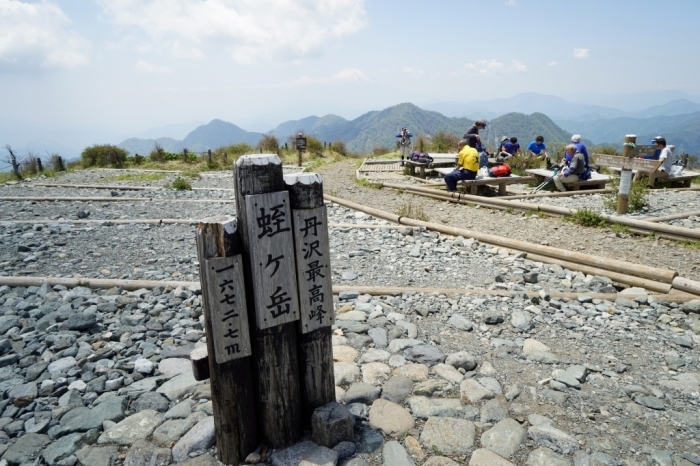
x,y
451,180
483,160
559,181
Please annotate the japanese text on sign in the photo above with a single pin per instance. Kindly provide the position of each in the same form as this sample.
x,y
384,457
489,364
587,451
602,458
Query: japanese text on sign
x,y
272,259
313,269
227,308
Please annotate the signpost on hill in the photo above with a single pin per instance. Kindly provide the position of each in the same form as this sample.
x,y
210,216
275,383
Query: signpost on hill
x,y
301,145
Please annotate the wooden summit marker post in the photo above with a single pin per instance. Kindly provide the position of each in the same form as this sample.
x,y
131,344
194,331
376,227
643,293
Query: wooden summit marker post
x,y
628,152
263,209
301,145
219,248
313,266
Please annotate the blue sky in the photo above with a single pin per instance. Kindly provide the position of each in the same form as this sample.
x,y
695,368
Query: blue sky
x,y
123,66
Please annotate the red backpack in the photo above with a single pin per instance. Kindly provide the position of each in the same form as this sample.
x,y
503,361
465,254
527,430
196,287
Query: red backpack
x,y
499,171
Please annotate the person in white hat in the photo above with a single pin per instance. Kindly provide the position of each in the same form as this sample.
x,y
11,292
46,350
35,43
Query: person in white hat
x,y
576,140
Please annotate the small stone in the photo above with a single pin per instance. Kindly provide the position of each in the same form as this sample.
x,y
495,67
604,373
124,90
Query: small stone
x,y
415,372
493,317
23,394
320,456
26,448
494,411
396,389
143,366
460,322
472,392
394,454
448,373
440,461
200,437
145,453
346,373
379,337
413,448
463,360
375,373
362,393
345,449
545,457
553,438
504,438
292,455
424,354
343,353
135,427
531,345
424,408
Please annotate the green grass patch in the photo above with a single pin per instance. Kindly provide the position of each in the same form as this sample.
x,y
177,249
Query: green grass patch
x,y
180,184
637,199
365,183
411,211
694,245
137,177
619,228
191,174
588,218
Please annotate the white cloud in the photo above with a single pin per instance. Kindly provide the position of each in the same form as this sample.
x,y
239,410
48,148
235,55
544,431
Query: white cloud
x,y
486,66
350,74
581,54
551,64
36,35
515,65
249,30
146,67
412,71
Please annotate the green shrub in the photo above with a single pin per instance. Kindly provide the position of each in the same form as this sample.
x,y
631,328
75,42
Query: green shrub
x,y
340,147
269,143
411,211
381,150
444,142
158,153
181,184
104,155
519,164
637,196
314,146
588,218
138,159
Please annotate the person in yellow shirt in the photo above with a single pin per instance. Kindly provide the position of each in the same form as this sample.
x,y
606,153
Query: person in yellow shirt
x,y
467,163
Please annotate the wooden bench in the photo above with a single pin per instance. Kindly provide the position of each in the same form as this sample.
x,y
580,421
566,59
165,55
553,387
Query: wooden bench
x,y
597,181
439,160
502,182
650,167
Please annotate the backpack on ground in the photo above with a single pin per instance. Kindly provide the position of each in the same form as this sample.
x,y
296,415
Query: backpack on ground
x,y
499,171
586,175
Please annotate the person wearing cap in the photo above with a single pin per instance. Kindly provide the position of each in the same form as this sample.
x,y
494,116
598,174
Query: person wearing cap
x,y
576,140
657,152
574,168
665,156
474,130
467,163
538,149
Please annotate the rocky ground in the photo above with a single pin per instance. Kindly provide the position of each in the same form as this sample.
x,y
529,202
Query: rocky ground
x,y
101,377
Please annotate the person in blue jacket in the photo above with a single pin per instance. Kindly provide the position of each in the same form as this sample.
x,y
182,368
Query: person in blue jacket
x,y
576,140
657,152
537,148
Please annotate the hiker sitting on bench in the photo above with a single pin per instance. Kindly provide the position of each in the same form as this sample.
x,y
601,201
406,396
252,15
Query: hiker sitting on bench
x,y
666,157
509,148
574,168
538,149
467,164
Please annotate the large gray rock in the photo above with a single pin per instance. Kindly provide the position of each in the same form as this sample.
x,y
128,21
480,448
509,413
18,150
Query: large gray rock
x,y
23,394
494,411
293,455
396,389
424,408
150,400
390,418
462,359
379,337
504,438
179,386
331,424
460,322
7,322
199,437
135,427
143,453
440,461
546,457
424,354
81,321
62,365
98,456
82,419
473,392
484,457
553,438
63,448
521,320
26,448
169,432
394,454
345,373
449,435
320,456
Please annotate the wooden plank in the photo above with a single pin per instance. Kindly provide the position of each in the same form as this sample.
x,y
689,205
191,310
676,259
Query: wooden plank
x,y
626,163
272,259
275,351
315,291
227,308
232,393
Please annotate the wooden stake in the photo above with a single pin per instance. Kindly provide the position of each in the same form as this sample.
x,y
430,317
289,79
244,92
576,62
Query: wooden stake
x,y
232,391
315,291
275,360
626,176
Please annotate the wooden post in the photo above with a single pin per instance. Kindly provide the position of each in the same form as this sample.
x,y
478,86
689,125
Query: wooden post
x,y
262,206
219,248
285,146
225,159
209,156
60,167
315,291
299,159
184,155
626,175
39,165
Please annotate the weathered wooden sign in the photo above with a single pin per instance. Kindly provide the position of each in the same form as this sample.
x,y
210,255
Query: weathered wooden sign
x,y
313,269
228,311
272,258
626,163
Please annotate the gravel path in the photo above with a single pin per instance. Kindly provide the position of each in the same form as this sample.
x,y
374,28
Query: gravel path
x,y
338,180
101,377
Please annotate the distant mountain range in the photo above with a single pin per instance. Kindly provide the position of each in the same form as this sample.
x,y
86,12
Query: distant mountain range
x,y
378,129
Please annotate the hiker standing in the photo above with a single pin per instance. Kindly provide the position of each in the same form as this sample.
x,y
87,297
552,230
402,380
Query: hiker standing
x,y
404,143
483,153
